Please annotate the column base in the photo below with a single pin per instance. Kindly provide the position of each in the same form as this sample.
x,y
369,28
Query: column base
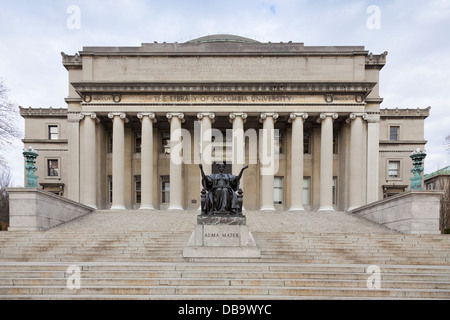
x,y
146,207
268,208
117,207
326,208
297,209
175,207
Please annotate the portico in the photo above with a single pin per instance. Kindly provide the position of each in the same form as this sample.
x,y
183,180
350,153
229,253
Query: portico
x,y
326,134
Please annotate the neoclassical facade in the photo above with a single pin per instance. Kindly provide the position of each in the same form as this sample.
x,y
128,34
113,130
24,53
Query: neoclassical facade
x,y
306,120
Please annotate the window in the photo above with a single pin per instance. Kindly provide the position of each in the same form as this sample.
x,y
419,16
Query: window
x,y
165,143
335,142
53,132
137,189
394,133
137,142
279,141
110,189
430,186
394,169
110,144
334,190
165,189
278,190
306,191
307,142
53,168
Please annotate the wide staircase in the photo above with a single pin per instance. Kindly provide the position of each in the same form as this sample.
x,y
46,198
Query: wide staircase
x,y
138,255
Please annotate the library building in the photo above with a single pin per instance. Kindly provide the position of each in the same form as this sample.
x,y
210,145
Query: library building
x,y
308,122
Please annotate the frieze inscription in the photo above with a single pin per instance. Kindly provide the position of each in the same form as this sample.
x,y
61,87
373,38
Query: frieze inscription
x,y
220,99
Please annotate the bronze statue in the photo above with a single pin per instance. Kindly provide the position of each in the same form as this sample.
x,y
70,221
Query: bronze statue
x,y
219,195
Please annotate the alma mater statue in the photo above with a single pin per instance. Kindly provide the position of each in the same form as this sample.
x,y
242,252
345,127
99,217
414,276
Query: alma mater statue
x,y
219,193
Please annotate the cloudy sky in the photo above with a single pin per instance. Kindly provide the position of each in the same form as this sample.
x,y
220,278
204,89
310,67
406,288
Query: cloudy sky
x,y
415,33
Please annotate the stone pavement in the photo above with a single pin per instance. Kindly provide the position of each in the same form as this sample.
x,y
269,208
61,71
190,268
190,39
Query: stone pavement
x,y
172,221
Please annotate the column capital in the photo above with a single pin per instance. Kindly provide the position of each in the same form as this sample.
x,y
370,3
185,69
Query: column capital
x,y
122,116
332,114
266,115
88,114
243,115
354,115
373,117
151,115
210,115
295,115
178,115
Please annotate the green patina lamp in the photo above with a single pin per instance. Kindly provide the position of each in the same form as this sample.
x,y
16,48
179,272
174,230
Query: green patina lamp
x,y
417,157
30,155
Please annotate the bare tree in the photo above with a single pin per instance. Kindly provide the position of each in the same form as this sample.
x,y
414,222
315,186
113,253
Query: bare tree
x,y
9,130
447,143
5,181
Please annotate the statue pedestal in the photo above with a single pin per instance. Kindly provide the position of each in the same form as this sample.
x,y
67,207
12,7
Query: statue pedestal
x,y
221,237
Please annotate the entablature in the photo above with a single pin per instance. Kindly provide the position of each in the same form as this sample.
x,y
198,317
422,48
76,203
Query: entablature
x,y
289,93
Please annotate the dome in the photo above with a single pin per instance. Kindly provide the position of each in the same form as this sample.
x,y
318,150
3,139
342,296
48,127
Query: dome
x,y
222,38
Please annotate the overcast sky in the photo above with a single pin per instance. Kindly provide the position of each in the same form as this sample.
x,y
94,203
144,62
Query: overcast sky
x,y
415,33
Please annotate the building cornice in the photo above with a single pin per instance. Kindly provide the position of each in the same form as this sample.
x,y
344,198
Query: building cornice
x,y
72,62
376,61
364,88
396,113
46,141
221,48
48,112
398,142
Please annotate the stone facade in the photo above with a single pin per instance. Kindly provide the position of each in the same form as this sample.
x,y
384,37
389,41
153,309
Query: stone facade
x,y
440,180
127,105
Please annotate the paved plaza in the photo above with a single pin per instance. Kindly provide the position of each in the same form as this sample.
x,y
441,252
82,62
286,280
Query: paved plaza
x,y
179,221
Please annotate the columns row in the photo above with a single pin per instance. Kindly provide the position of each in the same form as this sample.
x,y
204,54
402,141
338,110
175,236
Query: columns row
x,y
238,119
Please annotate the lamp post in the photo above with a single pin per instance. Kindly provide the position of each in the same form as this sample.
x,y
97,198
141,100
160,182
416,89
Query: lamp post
x,y
417,157
30,155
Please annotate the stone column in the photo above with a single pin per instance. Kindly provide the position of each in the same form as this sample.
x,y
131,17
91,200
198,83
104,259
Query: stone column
x,y
89,188
147,120
73,131
238,147
238,151
118,160
297,155
356,160
176,160
206,121
267,163
326,161
373,156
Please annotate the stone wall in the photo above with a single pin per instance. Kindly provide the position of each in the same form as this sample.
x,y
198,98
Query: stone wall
x,y
37,210
413,212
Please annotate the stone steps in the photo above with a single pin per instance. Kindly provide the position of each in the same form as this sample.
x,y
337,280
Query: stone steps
x,y
227,281
135,255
